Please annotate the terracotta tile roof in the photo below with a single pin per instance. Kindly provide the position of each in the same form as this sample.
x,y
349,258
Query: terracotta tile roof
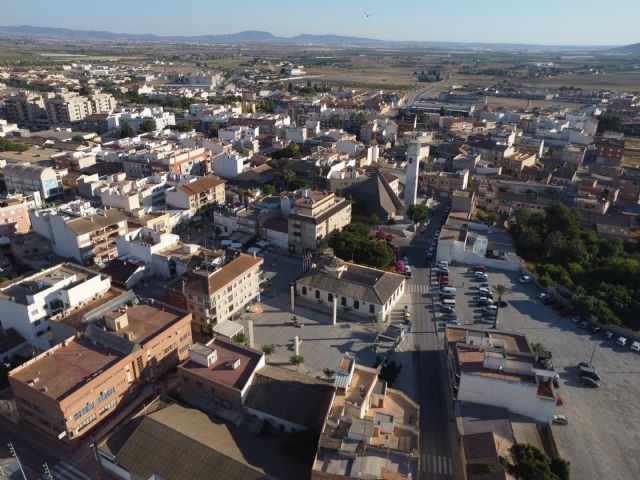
x,y
202,185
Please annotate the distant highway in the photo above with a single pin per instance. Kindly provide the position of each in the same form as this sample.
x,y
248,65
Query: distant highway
x,y
414,96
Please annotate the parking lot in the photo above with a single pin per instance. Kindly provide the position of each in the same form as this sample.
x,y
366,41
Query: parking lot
x,y
602,439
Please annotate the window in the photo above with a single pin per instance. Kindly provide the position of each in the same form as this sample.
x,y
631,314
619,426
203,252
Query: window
x,y
317,293
83,411
330,297
356,304
372,308
140,364
106,394
213,391
199,386
343,301
304,290
185,380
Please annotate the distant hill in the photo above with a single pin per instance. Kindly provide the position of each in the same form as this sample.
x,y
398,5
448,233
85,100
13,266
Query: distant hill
x,y
635,48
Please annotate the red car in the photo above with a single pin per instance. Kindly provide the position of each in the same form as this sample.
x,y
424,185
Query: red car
x,y
479,268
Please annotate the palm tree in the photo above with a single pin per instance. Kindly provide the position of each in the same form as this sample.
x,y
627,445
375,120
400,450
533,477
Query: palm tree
x,y
500,290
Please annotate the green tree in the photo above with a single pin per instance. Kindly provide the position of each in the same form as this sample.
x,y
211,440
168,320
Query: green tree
x,y
297,360
328,373
500,290
531,463
148,125
213,130
537,347
240,338
268,349
268,189
77,138
187,126
561,468
126,131
418,213
9,146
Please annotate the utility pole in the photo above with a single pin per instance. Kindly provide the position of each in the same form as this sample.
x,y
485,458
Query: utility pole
x,y
15,455
47,472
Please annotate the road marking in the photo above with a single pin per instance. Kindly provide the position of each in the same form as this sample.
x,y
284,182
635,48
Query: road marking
x,y
438,464
449,464
418,288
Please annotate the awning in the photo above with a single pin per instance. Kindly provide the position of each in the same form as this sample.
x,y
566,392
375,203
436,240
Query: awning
x,y
228,328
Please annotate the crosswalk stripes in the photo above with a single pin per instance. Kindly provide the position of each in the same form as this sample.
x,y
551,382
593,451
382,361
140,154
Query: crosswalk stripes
x,y
65,471
418,288
437,464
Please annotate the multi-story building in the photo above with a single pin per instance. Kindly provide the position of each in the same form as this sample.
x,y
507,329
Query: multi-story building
x,y
71,388
27,303
27,110
444,182
197,195
29,177
14,217
215,294
81,232
492,367
313,216
167,158
132,195
66,108
163,254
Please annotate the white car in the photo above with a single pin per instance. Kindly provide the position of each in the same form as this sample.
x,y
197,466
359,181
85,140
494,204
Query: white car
x,y
635,346
621,341
525,279
560,420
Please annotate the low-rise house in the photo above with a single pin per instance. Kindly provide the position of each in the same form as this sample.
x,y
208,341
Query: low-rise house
x,y
361,290
371,429
498,368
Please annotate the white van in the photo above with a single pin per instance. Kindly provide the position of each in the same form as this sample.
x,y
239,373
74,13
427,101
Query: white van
x,y
407,271
448,290
449,301
443,264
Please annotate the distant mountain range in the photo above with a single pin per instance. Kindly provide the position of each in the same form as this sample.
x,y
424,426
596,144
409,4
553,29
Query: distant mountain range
x,y
249,36
256,36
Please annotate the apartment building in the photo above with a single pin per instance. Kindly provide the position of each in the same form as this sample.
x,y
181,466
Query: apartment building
x,y
164,254
71,388
370,428
27,177
492,367
215,295
14,217
27,303
444,182
166,158
197,195
66,108
27,109
313,216
81,232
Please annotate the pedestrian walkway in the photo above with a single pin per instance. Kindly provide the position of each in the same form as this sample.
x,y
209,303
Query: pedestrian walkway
x,y
438,466
65,471
417,288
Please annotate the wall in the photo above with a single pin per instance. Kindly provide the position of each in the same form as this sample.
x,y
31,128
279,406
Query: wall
x,y
453,251
517,397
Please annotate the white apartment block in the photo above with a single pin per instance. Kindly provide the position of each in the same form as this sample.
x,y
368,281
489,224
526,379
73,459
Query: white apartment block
x,y
229,165
27,303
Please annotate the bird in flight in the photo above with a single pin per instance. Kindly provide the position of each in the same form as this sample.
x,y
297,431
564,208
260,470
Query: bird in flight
x,y
367,14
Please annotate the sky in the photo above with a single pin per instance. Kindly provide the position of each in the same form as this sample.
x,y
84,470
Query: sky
x,y
543,22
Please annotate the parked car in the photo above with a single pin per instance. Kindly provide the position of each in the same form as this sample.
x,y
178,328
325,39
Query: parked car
x,y
485,302
584,324
608,334
479,268
447,308
635,346
483,285
543,296
560,420
590,372
525,279
491,309
453,322
589,382
576,319
548,301
621,341
593,328
486,320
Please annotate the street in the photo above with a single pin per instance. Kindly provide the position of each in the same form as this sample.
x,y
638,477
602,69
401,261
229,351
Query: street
x,y
438,445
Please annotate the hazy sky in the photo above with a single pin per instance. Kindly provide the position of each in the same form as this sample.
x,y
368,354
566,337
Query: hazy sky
x,y
550,22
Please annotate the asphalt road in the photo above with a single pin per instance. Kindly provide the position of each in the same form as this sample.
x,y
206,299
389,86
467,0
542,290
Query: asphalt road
x,y
438,451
